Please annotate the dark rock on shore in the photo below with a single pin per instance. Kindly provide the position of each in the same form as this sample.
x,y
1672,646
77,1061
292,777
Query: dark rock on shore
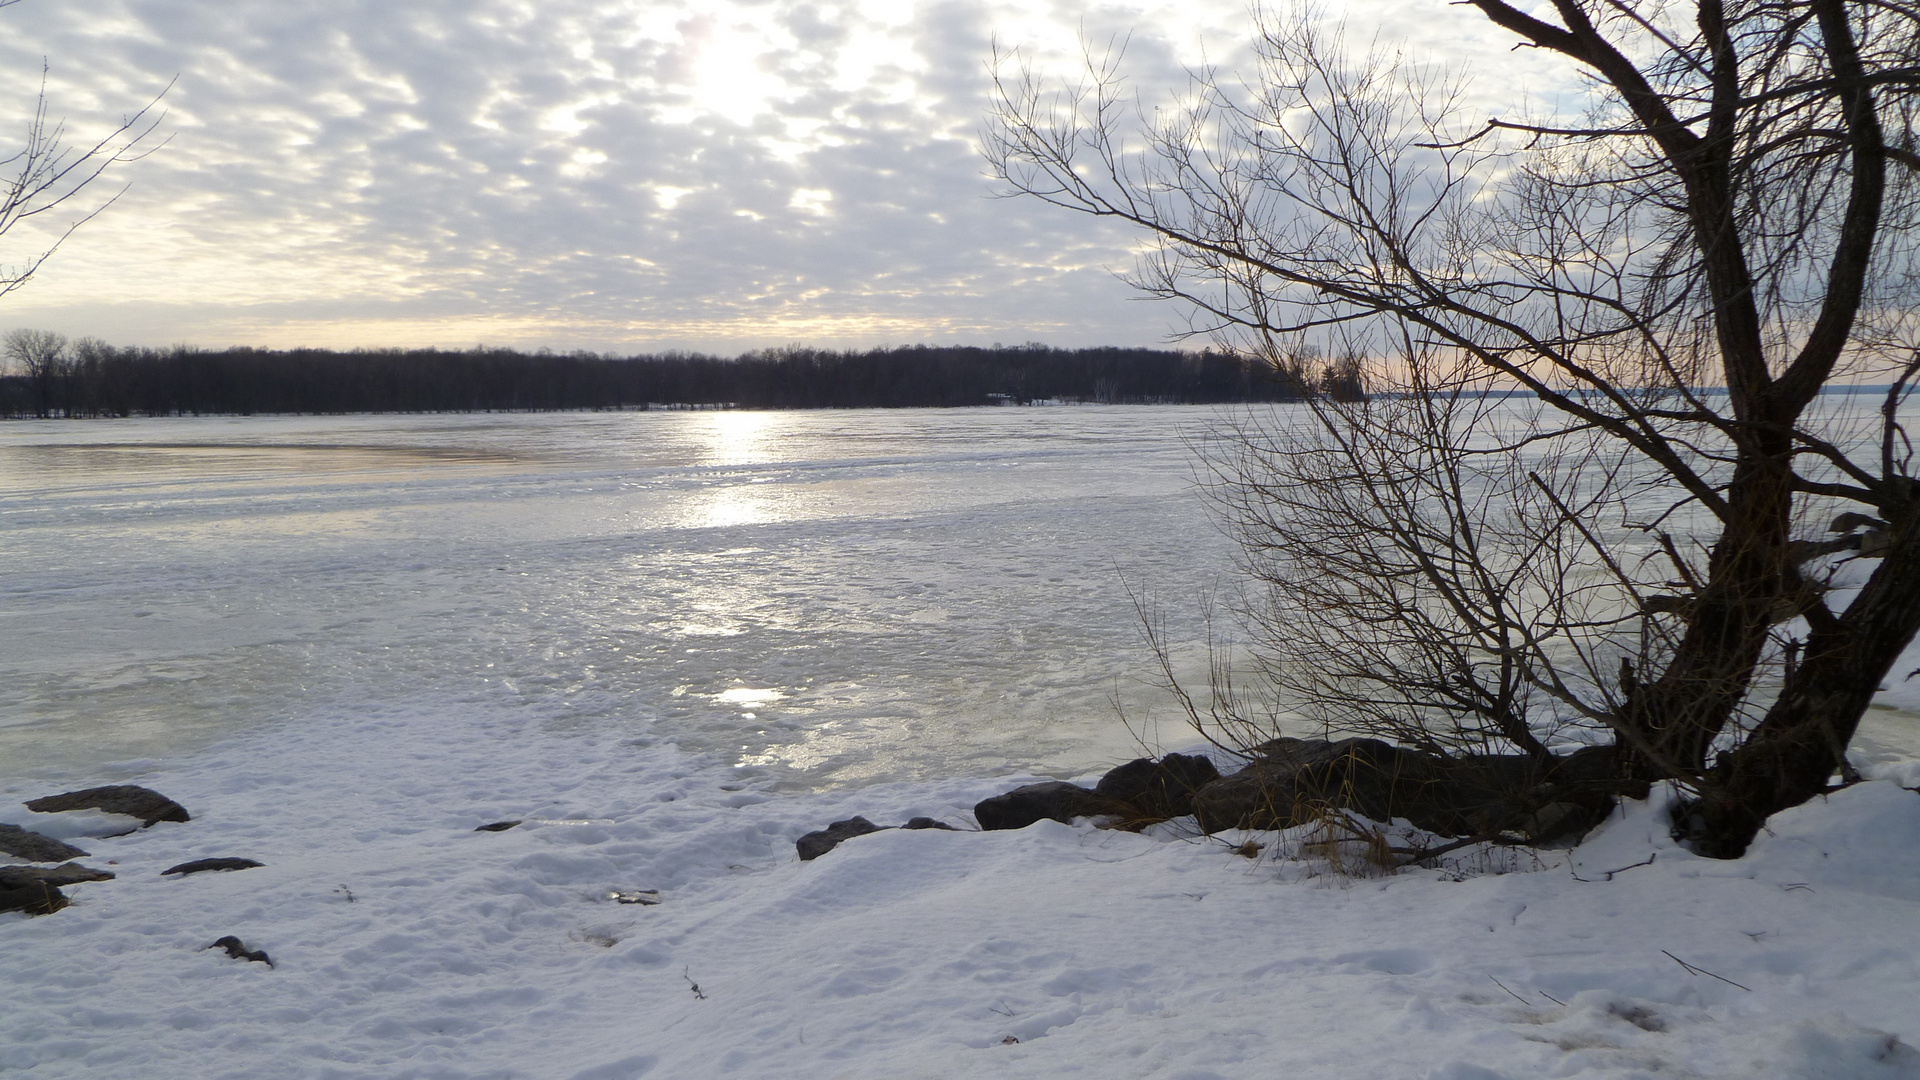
x,y
202,865
239,951
65,874
1292,781
20,890
1055,799
818,843
498,826
33,847
1159,789
147,805
1588,768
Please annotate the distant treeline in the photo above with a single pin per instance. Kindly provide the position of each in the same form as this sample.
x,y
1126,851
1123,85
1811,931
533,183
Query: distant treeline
x,y
92,379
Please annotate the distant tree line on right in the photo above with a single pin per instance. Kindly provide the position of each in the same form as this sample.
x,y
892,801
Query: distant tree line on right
x,y
51,377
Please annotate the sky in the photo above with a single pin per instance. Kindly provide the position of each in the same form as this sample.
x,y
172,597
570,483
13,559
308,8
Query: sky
x,y
615,175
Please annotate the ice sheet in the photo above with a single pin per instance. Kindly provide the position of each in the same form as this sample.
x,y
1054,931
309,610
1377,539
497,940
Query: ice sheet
x,y
924,591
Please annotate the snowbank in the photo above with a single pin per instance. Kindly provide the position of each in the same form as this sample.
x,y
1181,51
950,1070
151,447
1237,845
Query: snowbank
x,y
407,945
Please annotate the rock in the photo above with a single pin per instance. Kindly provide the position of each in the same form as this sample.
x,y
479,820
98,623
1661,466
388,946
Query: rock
x,y
818,843
202,865
1292,781
1055,799
149,806
1260,796
498,826
1268,792
1159,789
65,874
1555,820
1295,780
239,951
20,891
1304,753
1587,765
31,846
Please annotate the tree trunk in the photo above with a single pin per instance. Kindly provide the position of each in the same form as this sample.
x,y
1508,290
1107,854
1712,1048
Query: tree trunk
x,y
1796,749
1677,716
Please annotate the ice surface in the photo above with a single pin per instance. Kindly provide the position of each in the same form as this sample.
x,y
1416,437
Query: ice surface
x,y
928,592
920,592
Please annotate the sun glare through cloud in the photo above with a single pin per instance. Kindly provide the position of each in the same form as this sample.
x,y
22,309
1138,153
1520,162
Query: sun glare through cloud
x,y
726,77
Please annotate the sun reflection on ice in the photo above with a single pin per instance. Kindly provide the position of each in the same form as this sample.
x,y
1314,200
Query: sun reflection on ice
x,y
748,697
735,505
735,437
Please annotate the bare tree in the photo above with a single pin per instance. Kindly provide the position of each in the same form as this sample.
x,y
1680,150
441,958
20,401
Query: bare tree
x,y
41,356
44,179
1606,478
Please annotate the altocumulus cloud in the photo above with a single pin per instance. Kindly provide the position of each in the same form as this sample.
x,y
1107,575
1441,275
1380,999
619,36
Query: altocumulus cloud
x,y
624,175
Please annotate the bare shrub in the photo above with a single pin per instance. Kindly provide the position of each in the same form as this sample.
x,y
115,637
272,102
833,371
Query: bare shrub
x,y
1585,484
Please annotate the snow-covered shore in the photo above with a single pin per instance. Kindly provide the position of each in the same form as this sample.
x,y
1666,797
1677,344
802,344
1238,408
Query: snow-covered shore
x,y
911,954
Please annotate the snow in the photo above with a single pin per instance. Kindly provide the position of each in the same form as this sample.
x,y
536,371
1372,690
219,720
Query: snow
x,y
407,945
72,825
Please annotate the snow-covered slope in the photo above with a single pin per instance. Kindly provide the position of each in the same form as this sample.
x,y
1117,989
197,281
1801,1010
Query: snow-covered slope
x,y
407,945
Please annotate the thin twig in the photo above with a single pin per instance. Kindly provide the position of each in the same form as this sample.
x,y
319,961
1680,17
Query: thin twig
x,y
1608,875
1692,970
1510,993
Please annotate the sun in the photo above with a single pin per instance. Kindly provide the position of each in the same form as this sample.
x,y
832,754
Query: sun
x,y
727,76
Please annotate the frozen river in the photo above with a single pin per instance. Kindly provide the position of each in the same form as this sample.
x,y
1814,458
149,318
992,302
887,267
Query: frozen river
x,y
833,596
820,597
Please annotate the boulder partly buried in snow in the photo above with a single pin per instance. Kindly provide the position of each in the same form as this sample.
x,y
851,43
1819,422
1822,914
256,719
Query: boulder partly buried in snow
x,y
22,891
239,951
1292,781
65,874
1056,800
820,841
146,804
201,866
33,847
1159,789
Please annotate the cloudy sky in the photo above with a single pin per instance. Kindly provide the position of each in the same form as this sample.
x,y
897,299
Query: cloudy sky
x,y
608,174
